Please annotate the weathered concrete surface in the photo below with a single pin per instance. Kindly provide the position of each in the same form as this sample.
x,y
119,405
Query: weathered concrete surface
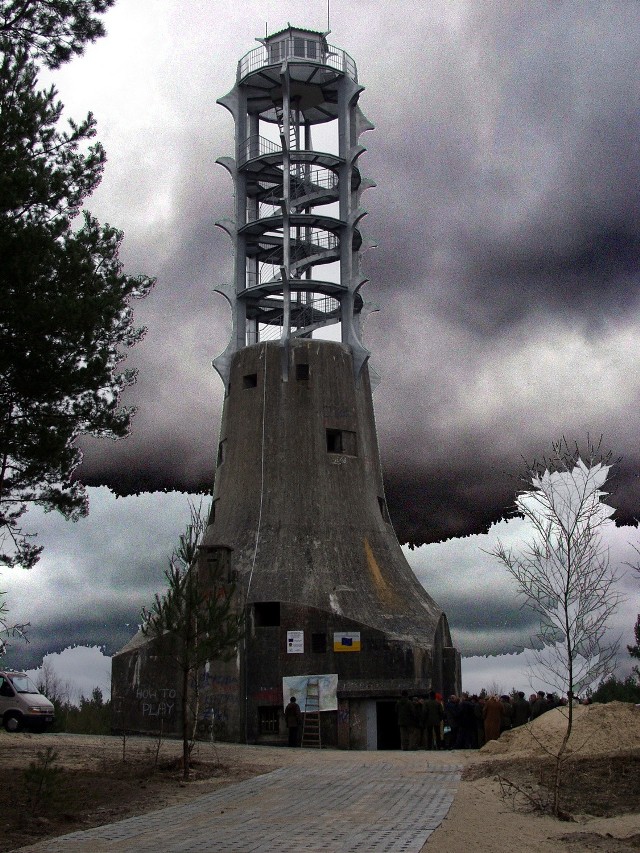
x,y
307,523
300,514
299,498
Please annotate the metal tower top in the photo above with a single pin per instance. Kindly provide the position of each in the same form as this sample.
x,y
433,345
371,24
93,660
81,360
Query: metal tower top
x,y
296,231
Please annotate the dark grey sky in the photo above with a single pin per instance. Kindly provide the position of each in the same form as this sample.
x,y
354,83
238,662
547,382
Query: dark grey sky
x,y
507,155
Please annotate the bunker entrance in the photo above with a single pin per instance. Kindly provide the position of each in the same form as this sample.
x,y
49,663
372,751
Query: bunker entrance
x,y
386,725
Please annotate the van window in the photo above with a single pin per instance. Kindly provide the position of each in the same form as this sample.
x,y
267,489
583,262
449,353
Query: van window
x,y
5,687
23,684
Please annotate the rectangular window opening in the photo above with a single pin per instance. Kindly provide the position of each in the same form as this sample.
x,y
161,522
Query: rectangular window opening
x,y
269,720
302,372
267,614
319,643
342,441
219,564
334,441
311,49
250,380
298,46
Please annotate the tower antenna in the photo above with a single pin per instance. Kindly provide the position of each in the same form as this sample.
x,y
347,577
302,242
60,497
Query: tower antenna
x,y
328,16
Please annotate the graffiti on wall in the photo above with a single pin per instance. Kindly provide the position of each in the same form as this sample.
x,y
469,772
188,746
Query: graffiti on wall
x,y
157,701
225,684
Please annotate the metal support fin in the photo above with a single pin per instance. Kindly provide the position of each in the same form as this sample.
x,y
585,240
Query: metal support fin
x,y
230,101
360,356
362,122
222,362
229,164
228,226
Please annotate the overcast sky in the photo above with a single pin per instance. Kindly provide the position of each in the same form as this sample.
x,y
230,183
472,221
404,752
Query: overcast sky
x,y
506,155
97,574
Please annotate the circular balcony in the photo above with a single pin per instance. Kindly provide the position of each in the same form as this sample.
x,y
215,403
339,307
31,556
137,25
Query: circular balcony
x,y
299,51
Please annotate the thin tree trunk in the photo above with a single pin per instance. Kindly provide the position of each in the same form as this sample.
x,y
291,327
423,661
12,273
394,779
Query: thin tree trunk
x,y
557,782
185,724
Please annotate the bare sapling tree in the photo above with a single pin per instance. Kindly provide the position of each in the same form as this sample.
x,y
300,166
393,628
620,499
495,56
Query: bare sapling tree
x,y
564,574
195,622
8,630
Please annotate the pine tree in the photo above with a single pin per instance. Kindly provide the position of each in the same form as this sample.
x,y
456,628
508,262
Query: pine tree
x,y
52,30
195,622
65,315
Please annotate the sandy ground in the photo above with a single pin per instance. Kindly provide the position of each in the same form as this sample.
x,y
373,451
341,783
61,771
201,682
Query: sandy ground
x,y
481,821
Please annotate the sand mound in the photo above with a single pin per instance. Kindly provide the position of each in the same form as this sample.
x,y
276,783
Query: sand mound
x,y
610,728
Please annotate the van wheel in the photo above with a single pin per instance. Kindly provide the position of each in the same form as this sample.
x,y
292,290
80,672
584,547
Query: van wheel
x,y
12,722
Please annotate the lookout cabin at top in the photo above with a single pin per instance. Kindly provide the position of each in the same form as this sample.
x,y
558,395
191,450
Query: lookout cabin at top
x,y
301,44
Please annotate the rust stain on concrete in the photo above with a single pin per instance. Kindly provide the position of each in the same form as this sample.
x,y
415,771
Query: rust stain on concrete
x,y
385,592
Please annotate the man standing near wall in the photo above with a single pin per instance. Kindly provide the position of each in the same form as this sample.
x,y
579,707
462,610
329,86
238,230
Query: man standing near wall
x,y
434,715
405,716
293,719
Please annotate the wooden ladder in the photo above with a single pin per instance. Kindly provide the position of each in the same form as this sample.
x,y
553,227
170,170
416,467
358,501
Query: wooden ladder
x,y
311,724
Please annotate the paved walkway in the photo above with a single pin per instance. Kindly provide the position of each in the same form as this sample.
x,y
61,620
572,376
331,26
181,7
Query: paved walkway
x,y
357,803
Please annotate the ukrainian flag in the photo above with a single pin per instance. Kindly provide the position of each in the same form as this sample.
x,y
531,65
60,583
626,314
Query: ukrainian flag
x,y
346,641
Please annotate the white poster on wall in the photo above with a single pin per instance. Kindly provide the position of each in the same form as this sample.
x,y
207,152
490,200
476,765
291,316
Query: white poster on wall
x,y
295,642
296,685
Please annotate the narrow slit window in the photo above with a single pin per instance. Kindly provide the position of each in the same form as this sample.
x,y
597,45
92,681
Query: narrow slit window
x,y
334,441
222,450
319,644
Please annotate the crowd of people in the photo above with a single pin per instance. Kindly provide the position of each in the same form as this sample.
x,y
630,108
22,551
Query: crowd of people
x,y
466,721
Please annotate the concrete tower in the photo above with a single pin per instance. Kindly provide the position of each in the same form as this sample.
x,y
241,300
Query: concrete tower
x,y
299,513
298,495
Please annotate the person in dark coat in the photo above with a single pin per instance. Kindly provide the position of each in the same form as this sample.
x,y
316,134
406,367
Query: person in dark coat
x,y
478,709
507,713
521,710
405,716
293,719
540,706
433,715
466,724
419,723
451,718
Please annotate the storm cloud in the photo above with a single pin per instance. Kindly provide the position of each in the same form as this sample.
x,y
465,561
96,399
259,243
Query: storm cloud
x,y
96,575
506,155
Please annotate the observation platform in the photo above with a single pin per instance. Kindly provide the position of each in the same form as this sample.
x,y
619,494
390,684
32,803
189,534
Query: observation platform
x,y
315,69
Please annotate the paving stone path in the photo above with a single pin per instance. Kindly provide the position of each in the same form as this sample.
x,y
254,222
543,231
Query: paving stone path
x,y
358,806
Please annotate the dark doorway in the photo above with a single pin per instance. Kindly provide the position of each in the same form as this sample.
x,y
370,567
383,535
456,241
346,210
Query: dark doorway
x,y
387,725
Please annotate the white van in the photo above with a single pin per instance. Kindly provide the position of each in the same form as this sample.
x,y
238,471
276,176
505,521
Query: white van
x,y
21,703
